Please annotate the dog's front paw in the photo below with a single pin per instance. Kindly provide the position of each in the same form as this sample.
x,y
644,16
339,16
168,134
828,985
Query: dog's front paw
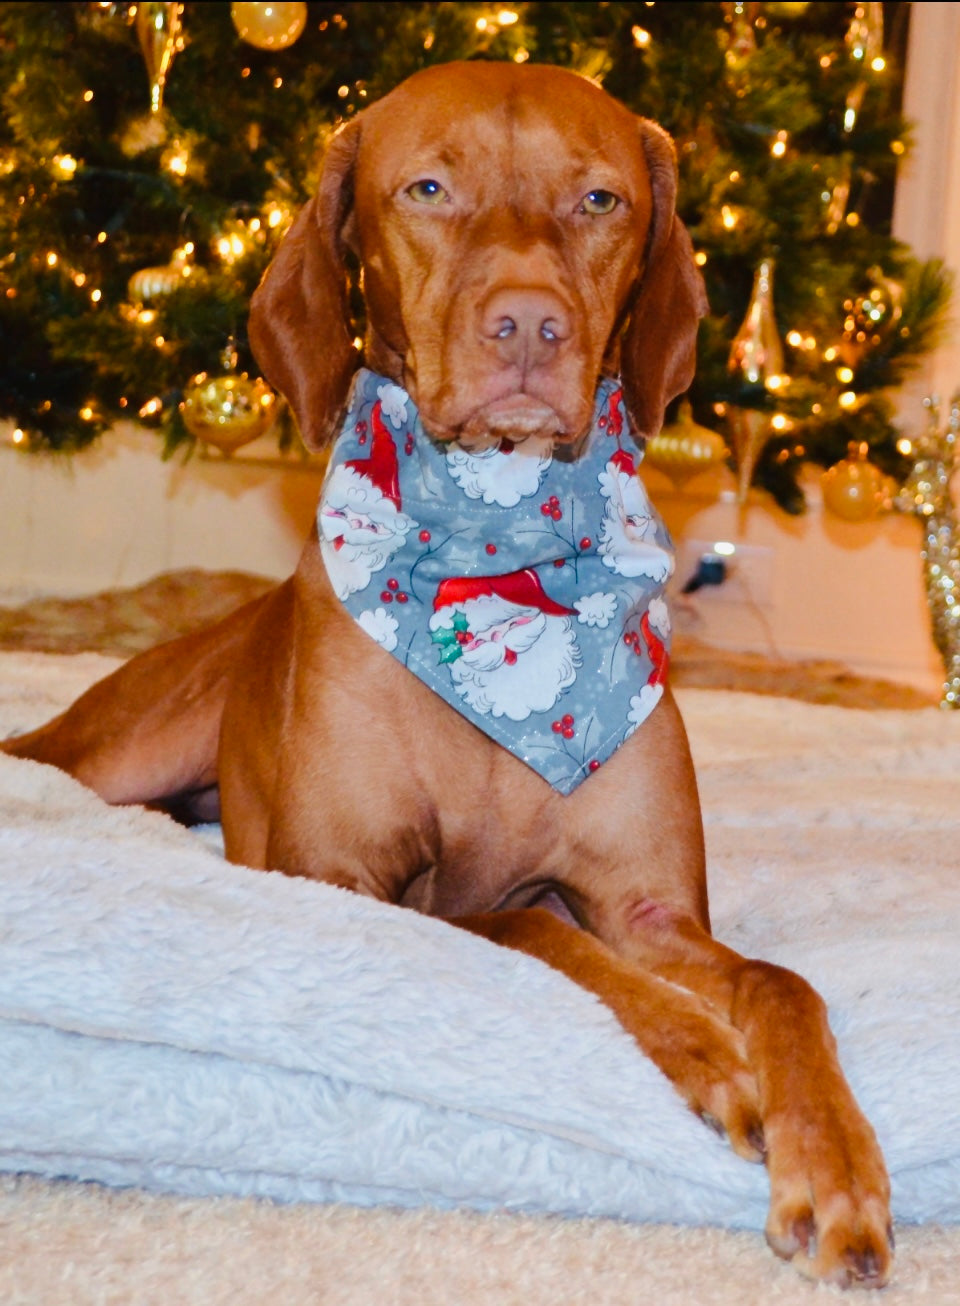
x,y
704,1058
830,1195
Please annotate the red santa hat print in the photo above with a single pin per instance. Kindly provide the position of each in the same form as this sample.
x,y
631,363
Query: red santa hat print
x,y
624,462
382,467
522,588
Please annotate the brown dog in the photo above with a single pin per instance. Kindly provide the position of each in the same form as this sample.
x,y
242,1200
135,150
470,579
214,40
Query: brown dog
x,y
516,230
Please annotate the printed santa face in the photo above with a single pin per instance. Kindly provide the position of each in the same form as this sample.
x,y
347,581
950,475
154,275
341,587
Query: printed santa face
x,y
510,649
655,630
361,521
627,541
503,475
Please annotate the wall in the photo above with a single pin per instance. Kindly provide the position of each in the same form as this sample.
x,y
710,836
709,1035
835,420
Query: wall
x,y
821,588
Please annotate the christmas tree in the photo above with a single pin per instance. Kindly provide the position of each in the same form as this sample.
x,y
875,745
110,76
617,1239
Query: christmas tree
x,y
152,156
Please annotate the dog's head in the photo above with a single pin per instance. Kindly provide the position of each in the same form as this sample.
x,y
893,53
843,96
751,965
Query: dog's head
x,y
517,235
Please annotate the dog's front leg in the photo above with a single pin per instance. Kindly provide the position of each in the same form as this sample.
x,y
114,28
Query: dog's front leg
x,y
829,1189
702,1055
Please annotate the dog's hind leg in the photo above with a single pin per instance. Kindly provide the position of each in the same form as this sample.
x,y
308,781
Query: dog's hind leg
x,y
148,732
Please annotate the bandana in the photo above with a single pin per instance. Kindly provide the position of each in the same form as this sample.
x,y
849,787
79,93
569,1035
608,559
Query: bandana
x,y
523,584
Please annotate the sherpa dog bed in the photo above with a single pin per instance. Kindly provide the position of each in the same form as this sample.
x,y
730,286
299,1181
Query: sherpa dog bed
x,y
174,1022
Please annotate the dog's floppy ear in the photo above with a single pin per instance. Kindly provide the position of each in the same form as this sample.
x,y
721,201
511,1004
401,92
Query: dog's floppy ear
x,y
658,351
299,325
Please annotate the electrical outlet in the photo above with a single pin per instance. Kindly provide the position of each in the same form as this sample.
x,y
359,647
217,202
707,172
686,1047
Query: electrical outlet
x,y
749,571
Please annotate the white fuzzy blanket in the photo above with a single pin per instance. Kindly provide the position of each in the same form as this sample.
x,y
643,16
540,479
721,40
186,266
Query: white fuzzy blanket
x,y
171,1021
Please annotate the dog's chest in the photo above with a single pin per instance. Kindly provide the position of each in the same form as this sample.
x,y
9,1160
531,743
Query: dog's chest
x,y
523,587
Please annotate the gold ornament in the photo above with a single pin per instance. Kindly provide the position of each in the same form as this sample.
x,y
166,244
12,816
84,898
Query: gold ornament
x,y
269,26
158,27
854,489
756,358
230,410
154,283
926,492
741,39
868,317
684,448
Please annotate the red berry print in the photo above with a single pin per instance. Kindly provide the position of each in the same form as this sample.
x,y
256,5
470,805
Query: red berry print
x,y
546,509
491,549
559,562
402,597
386,596
594,765
393,583
586,542
568,732
424,537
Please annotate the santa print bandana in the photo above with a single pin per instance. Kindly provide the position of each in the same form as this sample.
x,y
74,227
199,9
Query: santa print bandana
x,y
523,585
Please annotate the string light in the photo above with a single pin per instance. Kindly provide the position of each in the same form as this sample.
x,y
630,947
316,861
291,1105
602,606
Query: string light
x,y
848,399
779,147
641,37
728,217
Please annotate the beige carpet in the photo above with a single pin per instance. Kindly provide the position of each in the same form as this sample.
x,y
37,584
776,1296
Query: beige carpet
x,y
81,1245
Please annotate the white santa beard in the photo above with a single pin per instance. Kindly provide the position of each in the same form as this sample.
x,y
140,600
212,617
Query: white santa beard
x,y
531,684
625,550
501,478
352,553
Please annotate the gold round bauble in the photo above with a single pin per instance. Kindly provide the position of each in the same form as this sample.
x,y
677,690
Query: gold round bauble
x,y
854,489
684,448
228,411
269,26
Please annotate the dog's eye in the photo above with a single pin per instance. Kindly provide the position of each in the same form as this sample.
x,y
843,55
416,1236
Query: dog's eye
x,y
427,192
599,202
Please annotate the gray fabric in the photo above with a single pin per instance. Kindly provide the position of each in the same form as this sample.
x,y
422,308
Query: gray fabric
x,y
523,586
